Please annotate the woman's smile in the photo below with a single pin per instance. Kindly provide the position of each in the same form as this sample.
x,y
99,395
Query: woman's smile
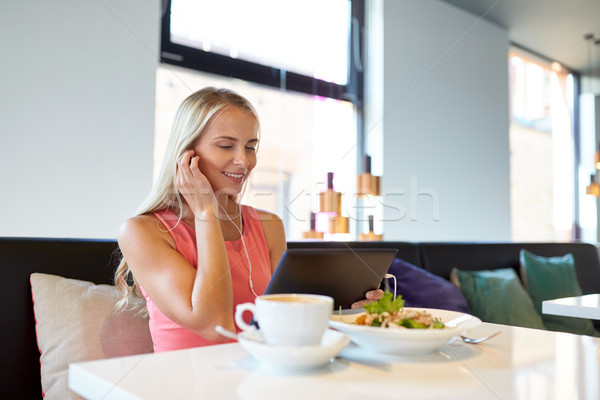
x,y
236,178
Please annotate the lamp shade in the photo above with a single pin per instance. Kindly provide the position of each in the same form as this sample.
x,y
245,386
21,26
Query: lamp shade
x,y
330,200
366,183
593,188
339,224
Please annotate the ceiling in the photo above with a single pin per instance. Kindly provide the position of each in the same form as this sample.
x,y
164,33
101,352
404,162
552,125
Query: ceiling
x,y
551,28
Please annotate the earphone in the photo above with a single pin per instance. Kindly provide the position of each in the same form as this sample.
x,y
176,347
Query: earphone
x,y
390,276
239,229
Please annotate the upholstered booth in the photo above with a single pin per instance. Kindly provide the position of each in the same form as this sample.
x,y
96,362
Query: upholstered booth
x,y
93,261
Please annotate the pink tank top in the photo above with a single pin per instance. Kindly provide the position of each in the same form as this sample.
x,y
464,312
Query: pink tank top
x,y
166,334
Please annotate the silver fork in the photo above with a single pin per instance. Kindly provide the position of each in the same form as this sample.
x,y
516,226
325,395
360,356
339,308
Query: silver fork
x,y
478,340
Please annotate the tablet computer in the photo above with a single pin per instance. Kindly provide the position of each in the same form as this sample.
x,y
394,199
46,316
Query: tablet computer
x,y
344,274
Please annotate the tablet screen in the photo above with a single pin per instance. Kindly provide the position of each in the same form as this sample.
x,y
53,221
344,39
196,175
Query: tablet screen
x,y
344,274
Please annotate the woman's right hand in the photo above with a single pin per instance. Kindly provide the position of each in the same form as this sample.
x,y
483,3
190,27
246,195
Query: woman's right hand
x,y
193,184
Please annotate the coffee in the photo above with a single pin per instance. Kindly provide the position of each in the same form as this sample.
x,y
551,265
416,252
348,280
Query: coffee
x,y
295,299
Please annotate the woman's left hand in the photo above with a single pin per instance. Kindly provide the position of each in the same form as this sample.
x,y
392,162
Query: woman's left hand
x,y
372,295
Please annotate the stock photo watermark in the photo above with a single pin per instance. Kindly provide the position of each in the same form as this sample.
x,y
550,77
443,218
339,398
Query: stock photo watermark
x,y
414,203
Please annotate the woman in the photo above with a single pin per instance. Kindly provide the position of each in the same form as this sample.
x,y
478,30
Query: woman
x,y
193,251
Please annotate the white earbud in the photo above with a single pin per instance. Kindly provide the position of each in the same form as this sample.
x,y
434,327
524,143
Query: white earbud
x,y
390,276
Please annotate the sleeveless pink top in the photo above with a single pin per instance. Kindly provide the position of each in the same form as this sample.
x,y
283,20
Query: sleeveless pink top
x,y
166,334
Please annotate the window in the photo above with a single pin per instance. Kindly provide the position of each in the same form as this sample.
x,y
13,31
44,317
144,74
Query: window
x,y
292,61
588,204
266,33
309,46
541,150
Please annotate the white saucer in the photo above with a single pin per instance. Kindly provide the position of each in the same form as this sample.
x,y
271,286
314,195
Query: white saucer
x,y
295,357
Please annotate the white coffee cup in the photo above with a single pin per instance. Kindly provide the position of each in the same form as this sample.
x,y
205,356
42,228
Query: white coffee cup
x,y
289,319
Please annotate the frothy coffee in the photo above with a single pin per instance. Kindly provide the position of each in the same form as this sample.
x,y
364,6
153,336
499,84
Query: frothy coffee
x,y
294,299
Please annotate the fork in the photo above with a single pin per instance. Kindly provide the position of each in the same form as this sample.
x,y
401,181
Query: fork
x,y
478,340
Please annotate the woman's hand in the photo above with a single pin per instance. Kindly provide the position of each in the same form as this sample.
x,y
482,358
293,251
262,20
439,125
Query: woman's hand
x,y
192,184
372,295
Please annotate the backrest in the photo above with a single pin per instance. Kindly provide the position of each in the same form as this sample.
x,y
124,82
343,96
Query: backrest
x,y
90,260
440,258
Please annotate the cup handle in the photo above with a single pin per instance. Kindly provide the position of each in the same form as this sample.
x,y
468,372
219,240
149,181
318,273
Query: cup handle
x,y
239,311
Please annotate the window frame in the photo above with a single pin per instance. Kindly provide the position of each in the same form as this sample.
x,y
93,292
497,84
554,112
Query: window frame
x,y
199,60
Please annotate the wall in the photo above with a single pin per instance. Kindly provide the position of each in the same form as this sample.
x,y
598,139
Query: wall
x,y
444,117
77,110
76,114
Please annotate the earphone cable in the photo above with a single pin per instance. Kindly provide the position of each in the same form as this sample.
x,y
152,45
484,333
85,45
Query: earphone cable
x,y
239,229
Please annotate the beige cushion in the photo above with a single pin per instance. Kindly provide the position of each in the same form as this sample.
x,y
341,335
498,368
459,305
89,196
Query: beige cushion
x,y
75,321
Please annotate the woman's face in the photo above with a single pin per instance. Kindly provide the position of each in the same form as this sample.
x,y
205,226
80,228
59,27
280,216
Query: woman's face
x,y
227,150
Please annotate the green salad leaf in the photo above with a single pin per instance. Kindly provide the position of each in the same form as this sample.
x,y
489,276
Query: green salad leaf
x,y
386,303
438,324
412,324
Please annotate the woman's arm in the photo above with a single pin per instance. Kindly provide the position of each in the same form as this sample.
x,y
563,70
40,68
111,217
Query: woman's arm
x,y
196,298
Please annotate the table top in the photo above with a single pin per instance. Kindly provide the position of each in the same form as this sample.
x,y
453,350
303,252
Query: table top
x,y
587,306
520,363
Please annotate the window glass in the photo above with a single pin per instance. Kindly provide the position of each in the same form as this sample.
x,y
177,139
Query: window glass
x,y
309,37
588,204
541,150
302,138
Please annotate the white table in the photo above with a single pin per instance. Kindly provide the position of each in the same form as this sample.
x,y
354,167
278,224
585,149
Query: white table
x,y
587,306
518,364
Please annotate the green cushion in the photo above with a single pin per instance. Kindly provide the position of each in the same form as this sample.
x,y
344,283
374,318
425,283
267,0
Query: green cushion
x,y
497,296
548,278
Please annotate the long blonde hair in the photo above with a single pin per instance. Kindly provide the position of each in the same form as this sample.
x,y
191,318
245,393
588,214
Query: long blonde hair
x,y
190,121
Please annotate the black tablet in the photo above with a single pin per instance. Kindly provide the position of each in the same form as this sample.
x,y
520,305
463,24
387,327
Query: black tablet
x,y
344,274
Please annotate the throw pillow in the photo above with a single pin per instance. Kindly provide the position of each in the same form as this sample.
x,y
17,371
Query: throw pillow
x,y
497,296
548,278
420,288
75,321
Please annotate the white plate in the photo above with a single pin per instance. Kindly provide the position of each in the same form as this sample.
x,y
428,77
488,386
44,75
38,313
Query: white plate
x,y
405,341
295,357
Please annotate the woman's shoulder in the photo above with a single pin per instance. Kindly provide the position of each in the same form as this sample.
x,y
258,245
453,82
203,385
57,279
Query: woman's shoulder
x,y
139,222
145,227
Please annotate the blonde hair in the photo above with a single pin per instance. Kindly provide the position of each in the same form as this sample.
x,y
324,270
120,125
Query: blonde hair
x,y
191,119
